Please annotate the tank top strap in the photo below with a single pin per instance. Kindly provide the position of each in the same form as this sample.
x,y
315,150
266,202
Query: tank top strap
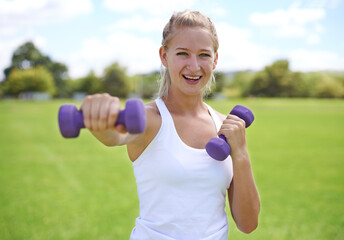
x,y
215,117
165,114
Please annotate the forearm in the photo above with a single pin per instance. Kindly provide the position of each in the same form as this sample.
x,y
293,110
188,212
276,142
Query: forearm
x,y
110,137
243,194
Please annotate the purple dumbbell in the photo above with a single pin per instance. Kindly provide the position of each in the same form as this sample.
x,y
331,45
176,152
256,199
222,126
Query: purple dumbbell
x,y
218,148
133,117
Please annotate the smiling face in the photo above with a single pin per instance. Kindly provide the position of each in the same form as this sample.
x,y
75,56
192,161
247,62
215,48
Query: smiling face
x,y
190,59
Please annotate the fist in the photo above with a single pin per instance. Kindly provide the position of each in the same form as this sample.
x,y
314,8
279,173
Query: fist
x,y
100,112
233,128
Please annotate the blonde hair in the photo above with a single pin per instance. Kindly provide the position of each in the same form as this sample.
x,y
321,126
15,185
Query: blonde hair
x,y
186,18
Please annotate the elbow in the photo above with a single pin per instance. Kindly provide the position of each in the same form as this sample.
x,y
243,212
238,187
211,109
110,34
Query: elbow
x,y
109,142
249,224
248,228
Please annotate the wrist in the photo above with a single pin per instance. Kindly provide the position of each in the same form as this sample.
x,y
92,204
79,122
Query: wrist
x,y
240,155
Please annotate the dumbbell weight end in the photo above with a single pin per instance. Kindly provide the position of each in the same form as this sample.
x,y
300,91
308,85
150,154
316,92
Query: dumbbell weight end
x,y
218,148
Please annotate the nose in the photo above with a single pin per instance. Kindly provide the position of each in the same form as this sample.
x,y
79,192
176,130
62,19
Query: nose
x,y
193,64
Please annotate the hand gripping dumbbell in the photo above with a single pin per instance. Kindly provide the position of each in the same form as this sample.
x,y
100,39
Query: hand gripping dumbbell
x,y
133,117
218,147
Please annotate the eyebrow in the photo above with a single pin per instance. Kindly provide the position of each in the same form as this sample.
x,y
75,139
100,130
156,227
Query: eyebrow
x,y
186,49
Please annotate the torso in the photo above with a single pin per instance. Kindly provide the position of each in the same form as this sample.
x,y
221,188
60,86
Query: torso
x,y
194,131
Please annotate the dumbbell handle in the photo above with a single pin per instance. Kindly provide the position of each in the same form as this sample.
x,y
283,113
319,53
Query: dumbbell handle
x,y
218,148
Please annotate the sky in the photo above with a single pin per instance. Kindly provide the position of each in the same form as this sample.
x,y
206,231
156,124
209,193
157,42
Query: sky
x,y
91,35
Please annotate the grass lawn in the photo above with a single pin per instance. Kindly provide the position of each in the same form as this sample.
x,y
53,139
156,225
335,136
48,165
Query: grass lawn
x,y
55,188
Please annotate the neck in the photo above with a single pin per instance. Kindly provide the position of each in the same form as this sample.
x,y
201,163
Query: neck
x,y
184,104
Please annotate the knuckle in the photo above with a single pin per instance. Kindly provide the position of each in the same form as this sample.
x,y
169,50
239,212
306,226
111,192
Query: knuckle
x,y
97,96
115,100
104,95
88,98
86,101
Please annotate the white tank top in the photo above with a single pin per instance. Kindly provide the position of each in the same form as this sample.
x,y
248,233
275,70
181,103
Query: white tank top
x,y
182,191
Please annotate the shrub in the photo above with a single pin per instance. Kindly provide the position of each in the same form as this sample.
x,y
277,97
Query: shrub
x,y
37,79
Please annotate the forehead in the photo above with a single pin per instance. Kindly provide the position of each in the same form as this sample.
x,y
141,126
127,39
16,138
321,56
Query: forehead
x,y
191,38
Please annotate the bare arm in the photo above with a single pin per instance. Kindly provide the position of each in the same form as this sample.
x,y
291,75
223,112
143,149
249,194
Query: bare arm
x,y
243,194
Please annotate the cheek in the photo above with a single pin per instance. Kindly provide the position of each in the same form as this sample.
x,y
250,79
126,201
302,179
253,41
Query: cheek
x,y
175,66
209,65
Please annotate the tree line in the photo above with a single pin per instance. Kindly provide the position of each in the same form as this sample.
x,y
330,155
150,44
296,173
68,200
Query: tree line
x,y
277,80
32,71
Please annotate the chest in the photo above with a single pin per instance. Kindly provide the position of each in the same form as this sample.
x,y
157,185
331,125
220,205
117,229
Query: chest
x,y
195,131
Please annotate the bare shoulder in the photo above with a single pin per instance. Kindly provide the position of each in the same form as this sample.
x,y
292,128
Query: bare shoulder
x,y
152,113
220,115
152,108
153,123
153,120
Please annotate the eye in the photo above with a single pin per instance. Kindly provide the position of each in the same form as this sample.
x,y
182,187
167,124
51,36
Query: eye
x,y
182,54
205,55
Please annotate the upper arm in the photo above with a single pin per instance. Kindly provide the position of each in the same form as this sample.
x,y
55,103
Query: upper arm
x,y
137,143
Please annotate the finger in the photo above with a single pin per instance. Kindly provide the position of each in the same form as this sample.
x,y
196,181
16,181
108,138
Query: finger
x,y
227,130
236,120
230,122
114,109
103,115
95,108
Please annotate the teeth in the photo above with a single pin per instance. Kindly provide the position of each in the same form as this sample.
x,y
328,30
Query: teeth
x,y
192,78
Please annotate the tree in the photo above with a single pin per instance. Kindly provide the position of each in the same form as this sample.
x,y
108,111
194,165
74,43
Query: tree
x,y
260,85
147,84
241,83
28,56
220,81
116,81
275,80
90,84
60,74
37,79
324,85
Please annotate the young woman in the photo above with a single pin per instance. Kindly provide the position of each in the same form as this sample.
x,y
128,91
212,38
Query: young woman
x,y
182,191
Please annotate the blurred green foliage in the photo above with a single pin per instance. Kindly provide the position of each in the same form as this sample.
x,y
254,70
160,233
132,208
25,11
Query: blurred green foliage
x,y
36,79
275,80
28,56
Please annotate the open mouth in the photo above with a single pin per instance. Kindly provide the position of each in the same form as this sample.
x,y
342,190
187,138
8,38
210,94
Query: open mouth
x,y
192,79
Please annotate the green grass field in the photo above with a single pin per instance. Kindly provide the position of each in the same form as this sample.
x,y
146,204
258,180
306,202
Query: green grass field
x,y
55,188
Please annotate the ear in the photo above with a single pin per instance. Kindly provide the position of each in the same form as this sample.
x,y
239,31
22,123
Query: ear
x,y
215,60
163,56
